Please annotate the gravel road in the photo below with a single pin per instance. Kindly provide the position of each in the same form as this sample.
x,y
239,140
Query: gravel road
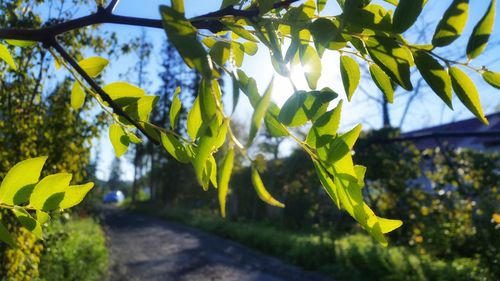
x,y
147,248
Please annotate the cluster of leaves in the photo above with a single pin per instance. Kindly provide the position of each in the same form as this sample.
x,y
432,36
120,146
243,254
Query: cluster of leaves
x,y
365,31
30,199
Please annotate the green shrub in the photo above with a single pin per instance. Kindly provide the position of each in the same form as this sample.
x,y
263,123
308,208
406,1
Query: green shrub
x,y
74,250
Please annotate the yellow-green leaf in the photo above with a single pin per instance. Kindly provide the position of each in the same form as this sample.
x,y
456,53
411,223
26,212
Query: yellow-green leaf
x,y
49,192
77,96
303,106
327,183
42,217
435,75
224,178
6,237
387,225
325,128
343,144
260,112
183,36
320,5
452,24
21,43
311,62
194,119
382,81
220,52
492,78
175,108
482,31
119,139
349,70
93,66
75,194
406,14
261,190
175,148
28,222
467,92
19,182
124,93
6,56
392,59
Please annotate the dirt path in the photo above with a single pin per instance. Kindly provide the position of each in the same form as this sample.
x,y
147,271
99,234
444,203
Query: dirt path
x,y
146,248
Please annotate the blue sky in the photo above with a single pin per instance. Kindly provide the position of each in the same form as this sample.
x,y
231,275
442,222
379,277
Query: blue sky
x,y
427,109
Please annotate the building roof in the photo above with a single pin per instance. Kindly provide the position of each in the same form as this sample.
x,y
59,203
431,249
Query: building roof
x,y
470,133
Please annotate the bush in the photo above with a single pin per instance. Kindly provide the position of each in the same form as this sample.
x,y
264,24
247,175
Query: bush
x,y
74,250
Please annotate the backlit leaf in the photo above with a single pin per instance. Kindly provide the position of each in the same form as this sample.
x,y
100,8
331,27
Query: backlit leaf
x,y
93,66
124,93
303,106
482,31
349,70
224,178
311,62
320,5
183,36
49,192
175,108
406,14
28,222
77,96
6,237
194,119
467,92
452,24
492,78
6,56
382,81
260,112
325,128
19,182
42,217
175,148
391,58
21,43
261,190
327,183
75,194
119,139
435,75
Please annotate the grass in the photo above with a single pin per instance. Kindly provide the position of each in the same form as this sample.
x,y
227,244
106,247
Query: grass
x,y
349,257
74,250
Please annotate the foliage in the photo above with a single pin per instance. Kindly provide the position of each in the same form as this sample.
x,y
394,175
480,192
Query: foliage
x,y
364,30
348,257
74,250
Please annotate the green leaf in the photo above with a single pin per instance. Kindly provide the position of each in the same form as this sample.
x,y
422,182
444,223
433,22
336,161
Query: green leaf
x,y
28,222
141,109
93,66
250,48
209,95
325,128
392,59
175,148
75,194
175,108
435,75
194,119
311,62
183,36
19,182
452,24
387,225
208,137
21,43
467,92
303,106
236,92
77,96
382,81
261,190
119,139
482,31
49,192
6,237
327,183
224,178
242,32
260,112
343,144
42,217
320,5
5,56
124,93
349,70
273,126
406,14
492,78
220,52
